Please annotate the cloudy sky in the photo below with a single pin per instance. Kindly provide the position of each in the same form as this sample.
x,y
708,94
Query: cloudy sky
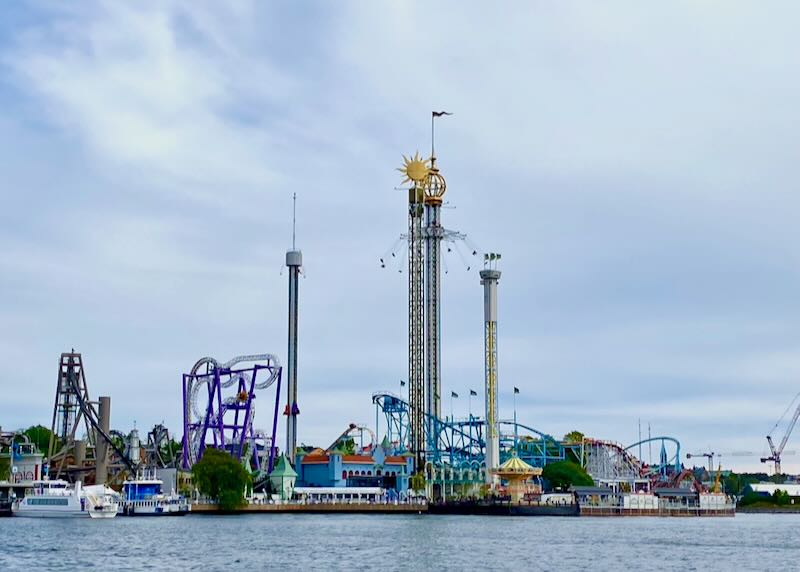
x,y
635,164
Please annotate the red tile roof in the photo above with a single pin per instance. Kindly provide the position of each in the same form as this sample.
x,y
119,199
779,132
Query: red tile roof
x,y
394,460
358,459
315,459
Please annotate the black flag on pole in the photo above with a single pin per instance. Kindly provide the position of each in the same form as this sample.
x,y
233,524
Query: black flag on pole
x,y
440,113
402,383
473,392
454,394
516,390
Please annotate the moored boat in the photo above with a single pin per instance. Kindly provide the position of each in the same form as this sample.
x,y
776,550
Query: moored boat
x,y
144,496
102,501
58,498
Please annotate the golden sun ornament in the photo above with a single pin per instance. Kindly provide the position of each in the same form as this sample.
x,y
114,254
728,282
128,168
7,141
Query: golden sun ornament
x,y
415,169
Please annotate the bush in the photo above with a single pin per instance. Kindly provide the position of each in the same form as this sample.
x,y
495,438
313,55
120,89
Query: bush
x,y
780,498
750,498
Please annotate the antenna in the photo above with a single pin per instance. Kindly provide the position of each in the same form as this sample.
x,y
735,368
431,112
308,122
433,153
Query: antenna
x,y
294,217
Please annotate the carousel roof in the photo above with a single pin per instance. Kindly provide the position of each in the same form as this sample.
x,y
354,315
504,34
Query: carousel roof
x,y
516,466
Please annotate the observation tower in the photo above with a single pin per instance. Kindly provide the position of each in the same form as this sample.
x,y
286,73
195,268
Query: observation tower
x,y
415,170
294,260
425,236
490,276
433,233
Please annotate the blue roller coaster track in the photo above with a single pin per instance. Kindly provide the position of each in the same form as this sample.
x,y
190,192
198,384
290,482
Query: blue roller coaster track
x,y
460,443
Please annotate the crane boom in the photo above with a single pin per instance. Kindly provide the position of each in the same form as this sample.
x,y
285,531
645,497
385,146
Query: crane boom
x,y
789,430
776,452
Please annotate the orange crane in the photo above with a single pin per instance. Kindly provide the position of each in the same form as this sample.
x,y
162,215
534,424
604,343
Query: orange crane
x,y
717,479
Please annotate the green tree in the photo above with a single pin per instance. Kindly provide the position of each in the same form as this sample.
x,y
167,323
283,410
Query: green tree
x,y
40,436
417,482
5,467
222,478
563,474
780,498
170,450
118,440
732,484
574,437
750,497
346,446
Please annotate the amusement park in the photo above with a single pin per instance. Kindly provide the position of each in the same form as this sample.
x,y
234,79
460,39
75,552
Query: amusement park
x,y
414,455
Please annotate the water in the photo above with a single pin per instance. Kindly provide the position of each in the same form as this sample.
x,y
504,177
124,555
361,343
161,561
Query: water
x,y
414,543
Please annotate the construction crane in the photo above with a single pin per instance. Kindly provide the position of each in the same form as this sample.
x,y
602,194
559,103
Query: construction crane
x,y
709,456
776,452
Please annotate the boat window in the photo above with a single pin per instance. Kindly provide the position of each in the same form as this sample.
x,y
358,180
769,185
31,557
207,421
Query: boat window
x,y
48,502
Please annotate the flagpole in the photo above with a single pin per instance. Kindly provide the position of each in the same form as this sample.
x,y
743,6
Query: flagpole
x,y
433,116
408,429
469,427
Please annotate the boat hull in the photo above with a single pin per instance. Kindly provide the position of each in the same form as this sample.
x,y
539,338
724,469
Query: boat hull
x,y
105,512
142,513
49,513
5,509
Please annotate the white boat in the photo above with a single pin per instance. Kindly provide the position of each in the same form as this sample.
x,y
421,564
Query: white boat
x,y
102,502
58,498
144,496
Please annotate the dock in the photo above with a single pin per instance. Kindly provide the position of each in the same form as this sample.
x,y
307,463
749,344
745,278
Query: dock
x,y
316,508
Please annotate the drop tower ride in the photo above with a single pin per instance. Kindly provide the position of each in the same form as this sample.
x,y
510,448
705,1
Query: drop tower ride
x,y
294,261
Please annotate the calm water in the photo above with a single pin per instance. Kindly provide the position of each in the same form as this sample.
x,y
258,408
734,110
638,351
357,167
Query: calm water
x,y
357,542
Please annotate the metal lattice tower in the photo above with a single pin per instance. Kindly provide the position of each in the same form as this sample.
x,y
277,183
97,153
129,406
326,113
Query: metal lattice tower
x,y
416,322
68,415
72,409
425,198
489,279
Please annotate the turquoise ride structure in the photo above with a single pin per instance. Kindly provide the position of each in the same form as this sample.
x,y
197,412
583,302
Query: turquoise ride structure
x,y
219,407
461,443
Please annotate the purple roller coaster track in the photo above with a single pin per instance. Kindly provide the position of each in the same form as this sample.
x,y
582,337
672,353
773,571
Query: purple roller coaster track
x,y
219,409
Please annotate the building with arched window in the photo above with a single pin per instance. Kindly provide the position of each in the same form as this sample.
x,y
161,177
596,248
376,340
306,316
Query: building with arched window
x,y
369,468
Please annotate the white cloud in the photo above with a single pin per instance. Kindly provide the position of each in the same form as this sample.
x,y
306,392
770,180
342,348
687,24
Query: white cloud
x,y
632,165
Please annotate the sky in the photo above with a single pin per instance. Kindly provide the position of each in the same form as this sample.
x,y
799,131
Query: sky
x,y
635,164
